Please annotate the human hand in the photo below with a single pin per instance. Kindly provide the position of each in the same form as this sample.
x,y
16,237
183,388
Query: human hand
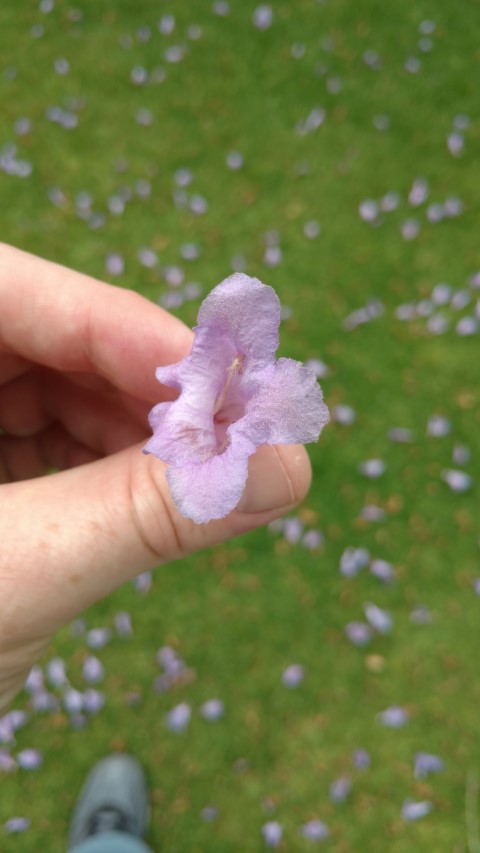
x,y
77,380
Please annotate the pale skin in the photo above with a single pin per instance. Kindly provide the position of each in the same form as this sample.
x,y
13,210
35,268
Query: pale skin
x,y
77,380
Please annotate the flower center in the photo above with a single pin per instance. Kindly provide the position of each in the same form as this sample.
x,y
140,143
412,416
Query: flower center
x,y
230,403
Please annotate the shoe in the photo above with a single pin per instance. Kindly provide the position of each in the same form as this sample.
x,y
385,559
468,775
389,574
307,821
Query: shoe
x,y
113,798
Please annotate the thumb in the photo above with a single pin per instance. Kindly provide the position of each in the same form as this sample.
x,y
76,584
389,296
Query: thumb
x,y
77,535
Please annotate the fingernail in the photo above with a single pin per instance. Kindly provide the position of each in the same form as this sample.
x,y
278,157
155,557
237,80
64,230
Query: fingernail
x,y
268,485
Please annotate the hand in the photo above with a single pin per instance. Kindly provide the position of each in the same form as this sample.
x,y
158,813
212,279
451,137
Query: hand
x,y
77,380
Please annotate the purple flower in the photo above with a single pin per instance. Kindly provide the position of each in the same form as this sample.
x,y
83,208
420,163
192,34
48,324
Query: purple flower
x,y
7,762
143,582
315,830
93,701
17,824
92,669
380,620
459,481
415,810
6,729
18,719
73,701
382,570
56,672
209,813
358,633
212,710
272,833
123,624
178,718
293,675
34,680
292,529
44,701
312,539
353,560
371,512
97,638
234,396
361,759
340,789
30,759
425,763
394,717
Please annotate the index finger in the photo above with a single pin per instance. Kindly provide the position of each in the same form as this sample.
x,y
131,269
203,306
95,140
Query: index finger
x,y
68,321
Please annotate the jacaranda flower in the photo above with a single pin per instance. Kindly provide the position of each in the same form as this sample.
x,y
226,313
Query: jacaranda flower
x,y
233,396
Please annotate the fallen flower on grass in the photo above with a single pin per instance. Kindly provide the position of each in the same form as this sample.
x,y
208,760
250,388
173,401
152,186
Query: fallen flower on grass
x,y
412,810
234,396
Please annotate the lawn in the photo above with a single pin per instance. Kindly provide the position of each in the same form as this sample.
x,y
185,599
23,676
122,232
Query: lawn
x,y
332,151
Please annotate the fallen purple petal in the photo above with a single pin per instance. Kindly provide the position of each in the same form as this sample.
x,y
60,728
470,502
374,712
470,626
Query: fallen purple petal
x,y
7,762
461,454
368,210
178,718
340,789
34,680
415,810
441,294
29,759
93,701
212,710
123,624
311,229
400,435
344,415
382,570
73,701
293,675
143,582
358,633
438,426
97,638
16,825
92,669
421,615
353,560
315,830
467,326
234,160
380,620
114,264
18,719
373,513
312,539
320,369
372,468
209,813
56,672
394,717
361,759
6,730
426,763
292,530
272,833
459,481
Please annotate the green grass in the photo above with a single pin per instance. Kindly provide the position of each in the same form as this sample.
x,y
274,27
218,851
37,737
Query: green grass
x,y
241,613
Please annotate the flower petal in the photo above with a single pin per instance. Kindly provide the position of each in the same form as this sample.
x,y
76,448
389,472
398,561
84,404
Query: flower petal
x,y
287,407
212,489
248,312
183,429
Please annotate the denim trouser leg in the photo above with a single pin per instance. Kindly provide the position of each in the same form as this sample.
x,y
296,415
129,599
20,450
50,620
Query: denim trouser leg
x,y
111,842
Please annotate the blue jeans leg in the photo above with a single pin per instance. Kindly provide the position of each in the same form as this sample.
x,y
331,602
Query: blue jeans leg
x,y
112,842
